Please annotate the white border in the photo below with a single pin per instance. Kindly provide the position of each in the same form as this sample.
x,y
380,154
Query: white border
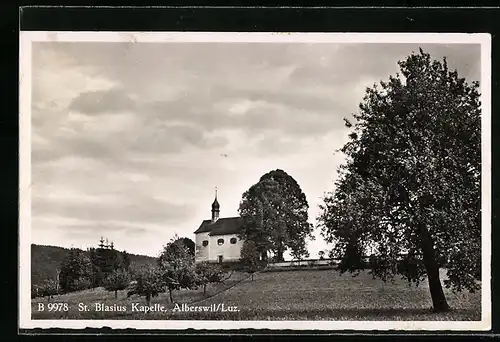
x,y
28,37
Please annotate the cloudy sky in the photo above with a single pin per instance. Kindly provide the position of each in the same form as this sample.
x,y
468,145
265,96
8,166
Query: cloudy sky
x,y
129,140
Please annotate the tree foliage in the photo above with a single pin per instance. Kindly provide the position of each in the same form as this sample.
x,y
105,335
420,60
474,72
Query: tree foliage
x,y
105,261
410,189
126,261
76,271
250,257
187,242
116,281
176,264
49,289
207,273
148,283
275,216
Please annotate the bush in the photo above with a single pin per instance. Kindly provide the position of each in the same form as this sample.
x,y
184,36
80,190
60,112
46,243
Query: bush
x,y
48,289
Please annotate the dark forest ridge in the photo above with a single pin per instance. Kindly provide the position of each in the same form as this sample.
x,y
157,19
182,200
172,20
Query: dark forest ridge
x,y
46,260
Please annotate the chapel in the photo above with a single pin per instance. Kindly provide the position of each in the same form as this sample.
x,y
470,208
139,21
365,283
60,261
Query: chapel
x,y
217,238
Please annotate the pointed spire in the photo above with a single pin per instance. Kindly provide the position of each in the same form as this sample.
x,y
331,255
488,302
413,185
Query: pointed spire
x,y
215,208
215,204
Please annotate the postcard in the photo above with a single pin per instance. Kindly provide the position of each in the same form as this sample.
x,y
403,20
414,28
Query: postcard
x,y
280,180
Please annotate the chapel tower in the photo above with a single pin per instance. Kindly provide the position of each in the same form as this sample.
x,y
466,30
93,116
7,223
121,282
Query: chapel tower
x,y
215,208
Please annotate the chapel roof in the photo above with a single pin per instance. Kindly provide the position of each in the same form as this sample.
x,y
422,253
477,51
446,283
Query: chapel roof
x,y
223,226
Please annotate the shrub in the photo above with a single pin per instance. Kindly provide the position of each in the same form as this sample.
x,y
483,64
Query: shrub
x,y
48,289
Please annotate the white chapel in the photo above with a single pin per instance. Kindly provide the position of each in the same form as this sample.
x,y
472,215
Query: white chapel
x,y
217,239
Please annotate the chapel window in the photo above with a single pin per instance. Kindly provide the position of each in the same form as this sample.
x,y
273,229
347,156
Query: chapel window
x,y
205,243
233,241
220,242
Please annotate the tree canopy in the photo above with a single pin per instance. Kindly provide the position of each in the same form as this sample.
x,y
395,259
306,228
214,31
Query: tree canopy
x,y
176,265
409,192
117,280
250,256
76,271
207,273
275,216
188,243
148,283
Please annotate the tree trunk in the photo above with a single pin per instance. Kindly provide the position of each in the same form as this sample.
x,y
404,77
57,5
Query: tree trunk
x,y
439,302
170,293
252,276
279,255
148,299
116,294
204,289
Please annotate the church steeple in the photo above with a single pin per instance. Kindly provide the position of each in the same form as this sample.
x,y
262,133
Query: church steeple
x,y
215,208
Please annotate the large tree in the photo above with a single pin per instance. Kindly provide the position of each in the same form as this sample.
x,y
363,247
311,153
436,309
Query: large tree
x,y
105,260
410,189
148,283
76,271
207,273
250,257
176,264
275,217
188,243
116,281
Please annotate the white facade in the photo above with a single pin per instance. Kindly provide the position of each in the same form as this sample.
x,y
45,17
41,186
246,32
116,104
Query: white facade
x,y
202,253
216,239
217,248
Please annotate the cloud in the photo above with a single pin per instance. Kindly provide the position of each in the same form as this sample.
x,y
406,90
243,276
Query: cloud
x,y
109,136
104,101
139,209
263,112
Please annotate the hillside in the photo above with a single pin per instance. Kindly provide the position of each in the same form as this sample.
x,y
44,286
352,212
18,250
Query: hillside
x,y
46,260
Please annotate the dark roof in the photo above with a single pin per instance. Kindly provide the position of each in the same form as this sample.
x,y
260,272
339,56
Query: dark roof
x,y
227,225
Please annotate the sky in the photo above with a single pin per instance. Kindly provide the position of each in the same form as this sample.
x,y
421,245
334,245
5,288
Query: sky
x,y
129,140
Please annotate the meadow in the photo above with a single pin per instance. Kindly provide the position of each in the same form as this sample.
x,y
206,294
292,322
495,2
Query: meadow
x,y
291,295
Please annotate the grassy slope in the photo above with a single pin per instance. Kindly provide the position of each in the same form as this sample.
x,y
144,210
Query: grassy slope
x,y
324,295
46,260
300,295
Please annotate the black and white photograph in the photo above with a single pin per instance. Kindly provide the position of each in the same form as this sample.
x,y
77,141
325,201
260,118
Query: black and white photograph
x,y
176,180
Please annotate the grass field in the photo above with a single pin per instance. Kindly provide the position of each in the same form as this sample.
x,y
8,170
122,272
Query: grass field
x,y
293,295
